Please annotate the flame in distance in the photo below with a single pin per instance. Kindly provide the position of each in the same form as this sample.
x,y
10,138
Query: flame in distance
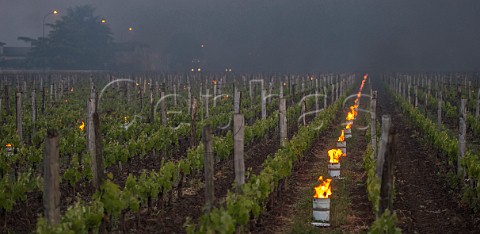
x,y
342,136
82,126
353,109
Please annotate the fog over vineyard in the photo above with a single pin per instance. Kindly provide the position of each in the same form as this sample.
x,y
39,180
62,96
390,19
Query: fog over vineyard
x,y
284,35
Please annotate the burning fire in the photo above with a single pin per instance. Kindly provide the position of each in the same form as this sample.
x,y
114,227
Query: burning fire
x,y
350,115
353,109
342,136
335,155
8,145
323,190
82,126
214,82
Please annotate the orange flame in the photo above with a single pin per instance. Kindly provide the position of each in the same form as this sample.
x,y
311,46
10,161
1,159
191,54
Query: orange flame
x,y
342,136
353,109
214,82
82,126
8,145
323,190
335,155
350,115
348,126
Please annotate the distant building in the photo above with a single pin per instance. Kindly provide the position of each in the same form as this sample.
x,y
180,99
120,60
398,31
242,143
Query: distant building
x,y
13,53
11,57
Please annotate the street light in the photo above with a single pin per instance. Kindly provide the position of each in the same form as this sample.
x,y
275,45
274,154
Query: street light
x,y
54,12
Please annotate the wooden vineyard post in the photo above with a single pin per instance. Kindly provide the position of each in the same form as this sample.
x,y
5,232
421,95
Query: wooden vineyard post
x,y
264,104
189,100
408,92
152,105
142,91
385,168
214,94
325,97
333,93
303,111
293,94
283,121
200,94
238,141
193,128
220,87
236,102
429,86
51,169
426,104
157,89
373,122
97,162
250,92
162,108
141,98
174,95
281,90
400,85
439,113
44,91
51,95
209,171
341,88
303,87
316,102
19,115
477,110
89,126
469,89
416,96
462,134
270,88
55,89
34,112
206,104
337,87
127,87
382,148
94,142
24,87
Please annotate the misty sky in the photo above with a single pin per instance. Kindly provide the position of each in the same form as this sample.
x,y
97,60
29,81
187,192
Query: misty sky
x,y
285,35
